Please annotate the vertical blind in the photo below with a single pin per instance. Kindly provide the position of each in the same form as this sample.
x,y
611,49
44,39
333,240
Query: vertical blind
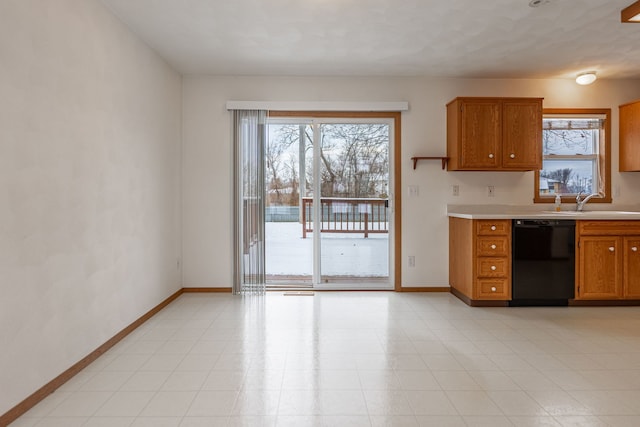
x,y
250,132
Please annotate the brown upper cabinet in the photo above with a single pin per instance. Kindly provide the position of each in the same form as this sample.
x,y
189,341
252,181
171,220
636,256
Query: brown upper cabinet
x,y
630,137
494,134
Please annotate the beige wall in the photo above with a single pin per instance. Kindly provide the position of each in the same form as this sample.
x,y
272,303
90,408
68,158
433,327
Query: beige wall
x,y
90,176
207,186
90,122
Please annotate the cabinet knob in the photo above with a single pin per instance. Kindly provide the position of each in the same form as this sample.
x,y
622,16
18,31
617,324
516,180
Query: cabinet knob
x,y
634,249
491,155
493,228
493,289
612,249
494,246
513,156
493,268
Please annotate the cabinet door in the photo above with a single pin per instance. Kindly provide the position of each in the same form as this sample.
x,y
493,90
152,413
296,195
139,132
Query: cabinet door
x,y
522,134
600,267
481,128
631,268
629,137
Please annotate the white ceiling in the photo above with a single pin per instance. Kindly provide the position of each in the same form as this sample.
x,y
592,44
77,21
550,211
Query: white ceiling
x,y
445,38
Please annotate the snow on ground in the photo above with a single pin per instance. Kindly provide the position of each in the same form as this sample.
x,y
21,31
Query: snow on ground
x,y
343,254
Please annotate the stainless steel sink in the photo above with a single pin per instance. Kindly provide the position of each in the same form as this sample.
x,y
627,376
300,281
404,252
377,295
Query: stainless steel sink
x,y
598,214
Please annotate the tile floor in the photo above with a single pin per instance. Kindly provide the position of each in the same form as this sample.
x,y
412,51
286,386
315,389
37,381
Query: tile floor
x,y
360,359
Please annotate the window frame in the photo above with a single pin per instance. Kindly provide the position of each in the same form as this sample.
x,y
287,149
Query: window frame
x,y
604,155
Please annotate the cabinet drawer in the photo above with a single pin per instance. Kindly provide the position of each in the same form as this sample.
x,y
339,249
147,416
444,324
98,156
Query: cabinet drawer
x,y
493,227
607,228
494,289
492,246
492,267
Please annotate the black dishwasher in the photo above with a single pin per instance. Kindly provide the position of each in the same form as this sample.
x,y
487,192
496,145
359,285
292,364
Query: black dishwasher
x,y
543,263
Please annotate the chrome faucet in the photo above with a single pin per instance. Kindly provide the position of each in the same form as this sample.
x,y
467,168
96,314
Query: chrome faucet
x,y
580,203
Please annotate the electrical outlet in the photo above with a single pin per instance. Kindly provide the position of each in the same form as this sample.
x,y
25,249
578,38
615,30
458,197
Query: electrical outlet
x,y
455,190
413,191
412,261
491,191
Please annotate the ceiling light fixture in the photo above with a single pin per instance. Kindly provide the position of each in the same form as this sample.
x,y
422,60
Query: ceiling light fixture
x,y
536,3
631,14
586,78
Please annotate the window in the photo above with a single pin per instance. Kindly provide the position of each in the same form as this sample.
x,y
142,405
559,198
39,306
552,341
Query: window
x,y
575,155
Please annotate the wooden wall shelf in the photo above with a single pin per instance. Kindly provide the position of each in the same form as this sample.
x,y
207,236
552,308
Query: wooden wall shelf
x,y
444,160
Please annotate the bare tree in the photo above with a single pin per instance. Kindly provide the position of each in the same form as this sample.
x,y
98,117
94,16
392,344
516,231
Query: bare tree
x,y
354,159
556,139
278,173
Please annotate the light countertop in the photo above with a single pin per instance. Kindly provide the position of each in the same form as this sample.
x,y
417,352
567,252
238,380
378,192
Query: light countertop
x,y
542,212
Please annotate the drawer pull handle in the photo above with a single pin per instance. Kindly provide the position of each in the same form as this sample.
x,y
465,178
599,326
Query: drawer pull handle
x,y
491,155
493,289
493,228
493,268
612,249
513,156
634,249
493,246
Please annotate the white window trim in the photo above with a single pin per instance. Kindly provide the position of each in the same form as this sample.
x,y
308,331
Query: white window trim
x,y
593,158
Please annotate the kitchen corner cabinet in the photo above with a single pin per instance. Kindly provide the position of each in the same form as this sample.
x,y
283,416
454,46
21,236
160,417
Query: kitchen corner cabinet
x,y
494,134
630,137
608,260
480,258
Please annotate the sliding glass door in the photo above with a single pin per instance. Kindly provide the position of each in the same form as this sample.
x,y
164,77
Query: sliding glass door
x,y
328,216
289,185
354,184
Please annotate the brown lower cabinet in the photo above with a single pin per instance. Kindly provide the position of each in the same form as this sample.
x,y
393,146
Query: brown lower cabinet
x,y
480,259
608,260
631,267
